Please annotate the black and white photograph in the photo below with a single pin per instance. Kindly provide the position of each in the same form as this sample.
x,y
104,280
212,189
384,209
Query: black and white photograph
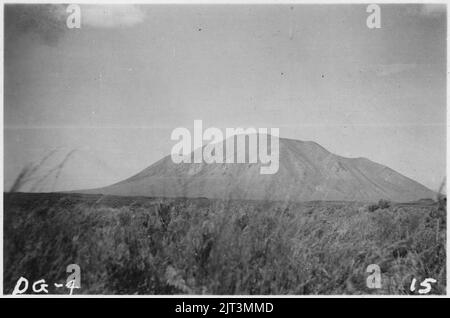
x,y
242,148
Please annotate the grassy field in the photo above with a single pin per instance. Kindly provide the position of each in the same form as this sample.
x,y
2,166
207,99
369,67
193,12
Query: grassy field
x,y
130,245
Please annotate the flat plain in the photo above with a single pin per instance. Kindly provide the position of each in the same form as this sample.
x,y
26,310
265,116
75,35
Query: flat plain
x,y
142,245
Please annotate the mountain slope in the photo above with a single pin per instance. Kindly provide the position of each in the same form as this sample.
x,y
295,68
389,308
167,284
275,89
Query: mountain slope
x,y
307,172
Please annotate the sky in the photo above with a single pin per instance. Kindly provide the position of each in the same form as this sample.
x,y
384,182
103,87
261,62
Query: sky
x,y
114,89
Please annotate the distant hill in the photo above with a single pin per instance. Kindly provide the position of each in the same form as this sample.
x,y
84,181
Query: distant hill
x,y
307,172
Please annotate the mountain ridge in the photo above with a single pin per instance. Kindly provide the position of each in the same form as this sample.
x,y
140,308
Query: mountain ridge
x,y
307,172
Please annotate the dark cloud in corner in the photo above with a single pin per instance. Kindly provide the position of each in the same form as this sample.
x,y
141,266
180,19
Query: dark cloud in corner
x,y
45,22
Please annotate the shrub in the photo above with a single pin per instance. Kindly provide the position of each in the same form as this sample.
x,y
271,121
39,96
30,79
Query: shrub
x,y
189,246
383,204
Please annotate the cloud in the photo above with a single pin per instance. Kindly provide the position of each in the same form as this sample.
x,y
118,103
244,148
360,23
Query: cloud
x,y
44,21
429,10
111,16
433,9
390,69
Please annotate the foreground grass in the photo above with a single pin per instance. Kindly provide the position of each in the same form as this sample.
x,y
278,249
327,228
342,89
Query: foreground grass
x,y
200,246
